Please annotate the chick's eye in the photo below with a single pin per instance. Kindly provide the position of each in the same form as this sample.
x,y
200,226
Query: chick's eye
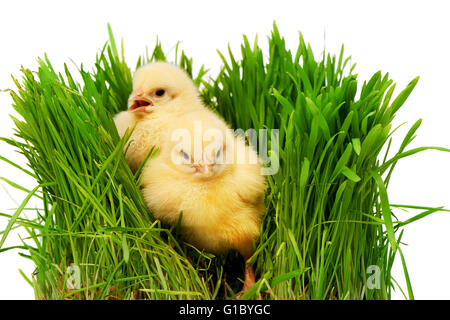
x,y
185,155
160,92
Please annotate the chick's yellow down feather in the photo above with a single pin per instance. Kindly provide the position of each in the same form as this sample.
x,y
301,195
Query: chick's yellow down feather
x,y
161,92
212,181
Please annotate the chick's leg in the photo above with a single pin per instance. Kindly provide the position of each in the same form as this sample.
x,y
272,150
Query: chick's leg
x,y
249,279
246,250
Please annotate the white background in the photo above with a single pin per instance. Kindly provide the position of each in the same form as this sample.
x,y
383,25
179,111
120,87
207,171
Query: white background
x,y
404,38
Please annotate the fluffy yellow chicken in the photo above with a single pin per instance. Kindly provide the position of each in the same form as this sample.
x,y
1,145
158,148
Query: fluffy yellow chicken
x,y
161,93
214,178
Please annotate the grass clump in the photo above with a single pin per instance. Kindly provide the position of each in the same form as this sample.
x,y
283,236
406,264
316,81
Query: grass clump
x,y
93,214
328,217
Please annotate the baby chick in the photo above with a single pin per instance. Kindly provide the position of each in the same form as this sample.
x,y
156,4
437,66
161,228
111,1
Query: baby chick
x,y
201,171
161,92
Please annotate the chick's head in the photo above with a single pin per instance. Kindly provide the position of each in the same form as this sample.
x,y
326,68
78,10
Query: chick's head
x,y
161,85
197,147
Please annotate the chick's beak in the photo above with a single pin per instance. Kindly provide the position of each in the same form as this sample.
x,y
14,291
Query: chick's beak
x,y
206,169
206,166
138,102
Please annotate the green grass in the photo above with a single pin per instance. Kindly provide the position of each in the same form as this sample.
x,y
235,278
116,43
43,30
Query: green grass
x,y
328,214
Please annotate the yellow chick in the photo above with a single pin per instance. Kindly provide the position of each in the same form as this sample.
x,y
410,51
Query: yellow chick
x,y
214,178
161,92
